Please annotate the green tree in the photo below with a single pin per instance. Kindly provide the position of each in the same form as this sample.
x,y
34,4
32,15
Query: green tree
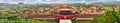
x,y
14,18
87,5
109,17
26,17
118,15
106,18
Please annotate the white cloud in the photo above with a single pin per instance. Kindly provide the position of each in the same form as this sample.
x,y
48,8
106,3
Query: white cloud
x,y
117,0
83,1
2,1
25,2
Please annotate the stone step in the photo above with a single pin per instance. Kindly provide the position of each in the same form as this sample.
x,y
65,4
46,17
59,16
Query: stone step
x,y
65,21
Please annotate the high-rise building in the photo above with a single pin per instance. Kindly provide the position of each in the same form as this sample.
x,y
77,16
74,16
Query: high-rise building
x,y
21,4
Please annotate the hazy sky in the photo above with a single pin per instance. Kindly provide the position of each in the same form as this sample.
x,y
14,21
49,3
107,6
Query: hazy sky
x,y
53,1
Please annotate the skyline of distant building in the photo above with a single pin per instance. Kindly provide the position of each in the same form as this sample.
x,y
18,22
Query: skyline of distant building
x,y
53,1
